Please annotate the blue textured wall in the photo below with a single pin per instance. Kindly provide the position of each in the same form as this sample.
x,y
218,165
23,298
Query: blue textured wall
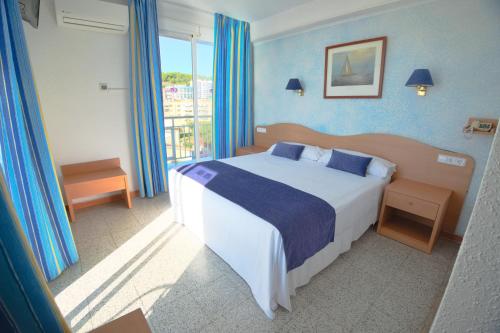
x,y
458,40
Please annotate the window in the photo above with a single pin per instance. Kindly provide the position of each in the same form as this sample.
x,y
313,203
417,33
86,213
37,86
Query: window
x,y
187,106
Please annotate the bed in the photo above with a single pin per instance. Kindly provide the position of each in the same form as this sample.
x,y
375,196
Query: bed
x,y
253,247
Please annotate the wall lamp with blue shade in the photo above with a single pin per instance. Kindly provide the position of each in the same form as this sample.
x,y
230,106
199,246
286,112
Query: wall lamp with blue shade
x,y
420,78
294,84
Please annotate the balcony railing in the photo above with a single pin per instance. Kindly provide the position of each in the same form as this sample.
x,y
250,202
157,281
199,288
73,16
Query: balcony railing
x,y
179,136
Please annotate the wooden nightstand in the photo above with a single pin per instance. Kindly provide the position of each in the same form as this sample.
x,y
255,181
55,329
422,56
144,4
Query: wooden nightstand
x,y
249,150
412,213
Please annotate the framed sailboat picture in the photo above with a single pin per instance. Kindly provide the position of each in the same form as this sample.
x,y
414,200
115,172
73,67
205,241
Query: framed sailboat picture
x,y
356,69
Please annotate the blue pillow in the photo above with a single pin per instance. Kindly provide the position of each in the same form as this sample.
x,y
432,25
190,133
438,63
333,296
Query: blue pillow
x,y
287,150
349,163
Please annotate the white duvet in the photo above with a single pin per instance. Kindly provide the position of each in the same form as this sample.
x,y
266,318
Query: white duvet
x,y
254,247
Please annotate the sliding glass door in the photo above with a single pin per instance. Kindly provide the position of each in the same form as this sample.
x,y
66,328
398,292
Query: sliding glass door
x,y
187,99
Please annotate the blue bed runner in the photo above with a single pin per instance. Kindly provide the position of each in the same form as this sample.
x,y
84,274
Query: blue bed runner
x,y
306,223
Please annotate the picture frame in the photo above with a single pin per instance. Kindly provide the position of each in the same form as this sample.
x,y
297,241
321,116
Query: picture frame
x,y
355,69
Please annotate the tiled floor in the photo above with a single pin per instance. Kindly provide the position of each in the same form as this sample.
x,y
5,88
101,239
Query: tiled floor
x,y
141,258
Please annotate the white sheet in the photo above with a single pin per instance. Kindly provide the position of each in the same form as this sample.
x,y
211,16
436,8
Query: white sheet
x,y
254,247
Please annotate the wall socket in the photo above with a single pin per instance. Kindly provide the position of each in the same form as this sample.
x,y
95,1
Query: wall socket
x,y
103,86
261,130
451,160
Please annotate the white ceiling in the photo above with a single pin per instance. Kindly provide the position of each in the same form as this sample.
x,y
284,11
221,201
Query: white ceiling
x,y
273,18
247,10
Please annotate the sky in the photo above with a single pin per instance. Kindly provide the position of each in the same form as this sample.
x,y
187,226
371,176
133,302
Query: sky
x,y
176,56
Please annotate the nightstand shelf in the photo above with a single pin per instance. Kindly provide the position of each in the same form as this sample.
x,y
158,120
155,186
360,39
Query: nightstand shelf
x,y
412,213
409,231
240,151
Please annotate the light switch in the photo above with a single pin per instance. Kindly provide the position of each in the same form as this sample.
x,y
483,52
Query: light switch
x,y
452,160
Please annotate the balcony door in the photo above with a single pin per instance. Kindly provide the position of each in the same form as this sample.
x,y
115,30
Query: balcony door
x,y
187,99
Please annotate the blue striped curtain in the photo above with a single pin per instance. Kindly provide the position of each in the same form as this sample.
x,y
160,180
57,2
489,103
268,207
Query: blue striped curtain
x,y
26,304
146,98
232,103
25,158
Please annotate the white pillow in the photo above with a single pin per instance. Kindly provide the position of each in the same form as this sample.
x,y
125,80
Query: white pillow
x,y
378,166
311,153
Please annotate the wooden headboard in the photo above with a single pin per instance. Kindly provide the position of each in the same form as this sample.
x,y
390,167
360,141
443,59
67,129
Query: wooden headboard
x,y
415,160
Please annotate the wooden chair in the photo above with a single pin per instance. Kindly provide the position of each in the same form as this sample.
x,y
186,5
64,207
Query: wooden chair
x,y
132,322
92,178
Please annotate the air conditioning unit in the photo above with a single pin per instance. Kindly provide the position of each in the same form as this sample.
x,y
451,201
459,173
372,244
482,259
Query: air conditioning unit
x,y
94,15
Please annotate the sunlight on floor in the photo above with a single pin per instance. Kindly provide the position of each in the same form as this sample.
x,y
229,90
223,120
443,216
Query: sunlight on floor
x,y
105,280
